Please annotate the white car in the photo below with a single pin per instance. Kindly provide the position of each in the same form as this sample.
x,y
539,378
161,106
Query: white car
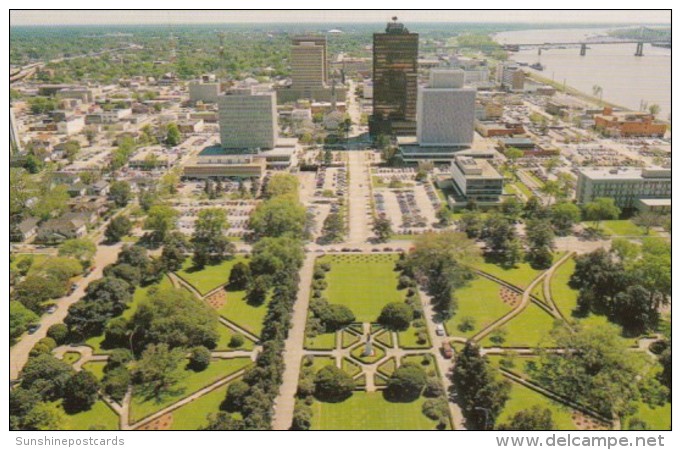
x,y
440,330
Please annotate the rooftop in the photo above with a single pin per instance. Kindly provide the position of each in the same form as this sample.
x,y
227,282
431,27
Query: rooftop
x,y
628,173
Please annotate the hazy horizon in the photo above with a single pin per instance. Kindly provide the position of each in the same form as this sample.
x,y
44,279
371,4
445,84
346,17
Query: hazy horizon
x,y
161,17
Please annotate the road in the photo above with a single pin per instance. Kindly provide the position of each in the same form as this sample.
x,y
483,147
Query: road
x,y
18,354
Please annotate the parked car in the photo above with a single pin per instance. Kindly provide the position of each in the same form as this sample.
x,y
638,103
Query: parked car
x,y
447,351
440,330
33,328
51,309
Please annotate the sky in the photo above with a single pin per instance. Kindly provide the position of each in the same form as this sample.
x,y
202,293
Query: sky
x,y
47,17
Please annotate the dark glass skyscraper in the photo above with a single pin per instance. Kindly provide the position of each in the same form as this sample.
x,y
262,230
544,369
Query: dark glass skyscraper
x,y
395,81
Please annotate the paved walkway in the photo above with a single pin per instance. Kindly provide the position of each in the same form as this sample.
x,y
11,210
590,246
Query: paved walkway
x,y
358,189
293,350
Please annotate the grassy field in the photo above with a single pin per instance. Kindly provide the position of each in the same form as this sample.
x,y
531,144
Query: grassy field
x,y
520,363
71,357
210,277
528,329
364,283
370,411
621,228
99,417
563,295
480,300
193,416
96,367
226,335
658,418
408,339
523,398
37,259
322,361
189,383
324,341
521,275
236,309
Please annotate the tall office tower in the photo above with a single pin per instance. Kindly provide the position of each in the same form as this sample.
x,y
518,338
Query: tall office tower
x,y
248,120
446,110
395,81
14,141
309,64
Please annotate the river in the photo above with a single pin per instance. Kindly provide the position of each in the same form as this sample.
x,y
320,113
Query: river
x,y
626,80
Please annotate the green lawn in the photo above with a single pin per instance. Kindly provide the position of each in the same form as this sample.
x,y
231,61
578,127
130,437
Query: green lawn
x,y
364,283
480,300
350,367
385,338
523,398
225,336
99,417
520,363
521,275
210,277
236,309
193,416
408,339
37,259
658,418
189,383
96,367
539,292
528,329
370,411
424,360
563,295
621,228
370,359
71,357
349,339
324,341
388,367
322,361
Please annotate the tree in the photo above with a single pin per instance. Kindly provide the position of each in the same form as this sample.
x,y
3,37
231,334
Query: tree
x,y
280,215
199,359
501,239
117,228
47,376
396,316
176,318
174,252
81,249
654,109
597,92
601,208
626,250
45,417
159,369
239,277
648,220
471,223
333,384
276,257
210,243
81,392
51,202
406,383
20,318
281,184
535,418
71,150
223,421
20,187
512,208
21,402
334,227
116,383
540,240
512,155
481,394
173,135
258,288
120,192
332,316
59,332
104,298
236,394
595,370
383,229
444,216
161,220
563,216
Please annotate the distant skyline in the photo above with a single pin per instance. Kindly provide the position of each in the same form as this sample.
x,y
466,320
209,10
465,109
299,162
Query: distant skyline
x,y
80,17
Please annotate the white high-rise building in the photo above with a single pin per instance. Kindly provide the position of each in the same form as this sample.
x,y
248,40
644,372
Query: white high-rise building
x,y
445,110
248,119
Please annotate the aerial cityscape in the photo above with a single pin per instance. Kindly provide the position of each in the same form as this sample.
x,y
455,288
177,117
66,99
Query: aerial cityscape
x,y
405,225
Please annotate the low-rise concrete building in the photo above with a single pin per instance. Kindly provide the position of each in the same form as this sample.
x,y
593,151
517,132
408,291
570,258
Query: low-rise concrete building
x,y
476,179
625,185
629,124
